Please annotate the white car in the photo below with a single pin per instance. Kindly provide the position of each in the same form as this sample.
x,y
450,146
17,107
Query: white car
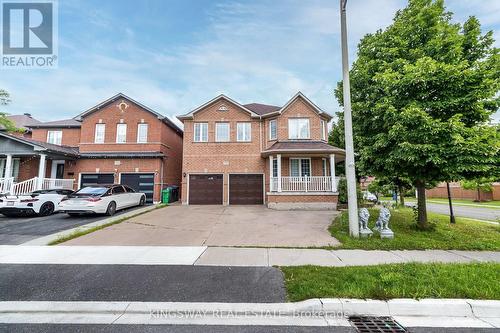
x,y
101,199
40,202
370,196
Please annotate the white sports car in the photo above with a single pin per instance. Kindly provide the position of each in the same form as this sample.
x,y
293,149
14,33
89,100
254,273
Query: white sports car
x,y
40,202
101,199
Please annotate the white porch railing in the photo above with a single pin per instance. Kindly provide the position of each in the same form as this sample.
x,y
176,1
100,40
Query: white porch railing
x,y
304,184
6,184
36,183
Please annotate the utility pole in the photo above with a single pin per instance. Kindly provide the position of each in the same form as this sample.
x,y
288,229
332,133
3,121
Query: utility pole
x,y
350,169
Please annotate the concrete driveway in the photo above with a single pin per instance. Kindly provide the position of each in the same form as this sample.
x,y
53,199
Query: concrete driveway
x,y
218,226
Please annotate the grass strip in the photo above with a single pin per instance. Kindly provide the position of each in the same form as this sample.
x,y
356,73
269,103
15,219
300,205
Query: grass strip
x,y
410,280
82,232
466,234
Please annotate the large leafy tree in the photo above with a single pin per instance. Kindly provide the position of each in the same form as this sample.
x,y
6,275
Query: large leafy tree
x,y
423,91
5,123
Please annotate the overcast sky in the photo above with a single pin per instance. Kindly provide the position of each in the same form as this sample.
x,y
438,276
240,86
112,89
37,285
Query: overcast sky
x,y
175,55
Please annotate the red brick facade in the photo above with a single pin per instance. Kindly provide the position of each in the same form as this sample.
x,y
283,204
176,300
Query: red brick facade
x,y
233,157
162,139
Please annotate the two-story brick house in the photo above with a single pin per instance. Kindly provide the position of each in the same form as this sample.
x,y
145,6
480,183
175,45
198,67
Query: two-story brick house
x,y
259,154
117,141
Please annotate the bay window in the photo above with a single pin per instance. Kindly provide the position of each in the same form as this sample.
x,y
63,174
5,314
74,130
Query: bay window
x,y
300,167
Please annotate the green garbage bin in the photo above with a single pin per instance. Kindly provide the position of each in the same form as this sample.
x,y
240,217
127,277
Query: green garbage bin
x,y
165,195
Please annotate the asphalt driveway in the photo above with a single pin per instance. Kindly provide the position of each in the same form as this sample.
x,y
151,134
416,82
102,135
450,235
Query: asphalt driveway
x,y
18,230
218,226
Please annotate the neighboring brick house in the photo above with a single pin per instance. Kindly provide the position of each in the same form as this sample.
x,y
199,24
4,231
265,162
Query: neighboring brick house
x,y
257,153
116,141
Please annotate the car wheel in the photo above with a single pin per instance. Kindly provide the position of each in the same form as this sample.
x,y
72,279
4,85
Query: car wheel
x,y
111,209
142,201
46,209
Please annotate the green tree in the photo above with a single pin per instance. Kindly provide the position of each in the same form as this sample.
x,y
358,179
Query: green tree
x,y
483,184
5,123
422,91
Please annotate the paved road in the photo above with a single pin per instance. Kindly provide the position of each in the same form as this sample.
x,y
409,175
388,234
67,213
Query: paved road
x,y
480,213
17,230
140,283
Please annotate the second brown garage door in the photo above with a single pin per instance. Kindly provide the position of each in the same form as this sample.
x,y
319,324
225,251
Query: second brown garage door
x,y
205,189
246,189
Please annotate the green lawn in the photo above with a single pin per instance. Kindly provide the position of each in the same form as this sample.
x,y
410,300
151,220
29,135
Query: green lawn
x,y
412,280
466,234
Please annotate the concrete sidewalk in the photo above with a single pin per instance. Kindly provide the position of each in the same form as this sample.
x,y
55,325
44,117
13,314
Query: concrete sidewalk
x,y
313,312
229,256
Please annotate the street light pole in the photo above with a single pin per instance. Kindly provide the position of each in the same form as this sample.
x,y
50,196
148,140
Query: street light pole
x,y
350,170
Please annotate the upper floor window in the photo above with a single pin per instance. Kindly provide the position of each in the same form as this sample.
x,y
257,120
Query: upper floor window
x,y
298,128
100,129
323,129
121,133
244,132
200,132
142,133
54,137
273,130
222,132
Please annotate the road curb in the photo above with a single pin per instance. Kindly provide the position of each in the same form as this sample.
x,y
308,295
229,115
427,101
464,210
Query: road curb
x,y
312,312
45,240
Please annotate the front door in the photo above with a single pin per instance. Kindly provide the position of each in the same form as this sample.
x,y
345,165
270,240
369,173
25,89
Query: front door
x,y
60,171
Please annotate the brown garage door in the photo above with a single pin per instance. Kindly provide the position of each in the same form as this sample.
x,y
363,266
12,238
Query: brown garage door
x,y
205,189
246,190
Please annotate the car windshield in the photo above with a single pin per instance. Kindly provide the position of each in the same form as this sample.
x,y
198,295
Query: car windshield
x,y
91,191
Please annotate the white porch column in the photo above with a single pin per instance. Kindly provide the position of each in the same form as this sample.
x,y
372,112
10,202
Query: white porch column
x,y
8,166
41,170
279,172
270,173
332,172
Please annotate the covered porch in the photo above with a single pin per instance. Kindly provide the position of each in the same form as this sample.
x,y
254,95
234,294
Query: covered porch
x,y
27,165
302,175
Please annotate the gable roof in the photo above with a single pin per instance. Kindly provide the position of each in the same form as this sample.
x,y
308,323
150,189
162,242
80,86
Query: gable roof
x,y
118,96
259,110
308,101
190,114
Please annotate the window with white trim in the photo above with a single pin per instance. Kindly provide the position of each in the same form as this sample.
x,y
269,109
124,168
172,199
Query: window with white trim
x,y
298,128
275,168
100,130
323,129
300,167
121,133
200,132
222,132
54,137
244,132
325,167
142,133
273,129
